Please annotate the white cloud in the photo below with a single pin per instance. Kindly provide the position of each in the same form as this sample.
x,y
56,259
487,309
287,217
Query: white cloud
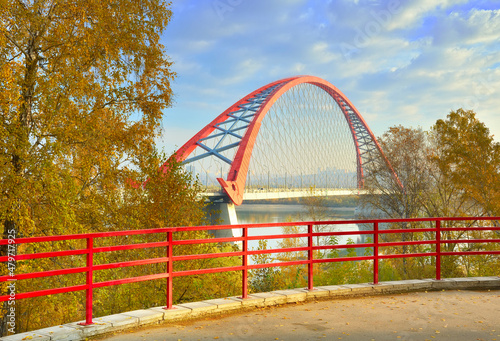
x,y
409,14
479,27
320,52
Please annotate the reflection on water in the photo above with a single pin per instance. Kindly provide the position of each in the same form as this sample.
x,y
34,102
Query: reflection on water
x,y
276,213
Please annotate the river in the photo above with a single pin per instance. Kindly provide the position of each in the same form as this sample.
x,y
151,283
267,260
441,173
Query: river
x,y
276,213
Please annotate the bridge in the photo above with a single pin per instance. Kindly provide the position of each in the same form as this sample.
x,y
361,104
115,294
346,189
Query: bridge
x,y
280,141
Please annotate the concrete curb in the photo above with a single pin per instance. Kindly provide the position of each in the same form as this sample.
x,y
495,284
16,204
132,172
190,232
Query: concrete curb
x,y
152,316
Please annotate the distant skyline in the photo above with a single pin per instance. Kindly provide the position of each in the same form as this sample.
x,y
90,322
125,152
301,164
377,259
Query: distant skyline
x,y
399,62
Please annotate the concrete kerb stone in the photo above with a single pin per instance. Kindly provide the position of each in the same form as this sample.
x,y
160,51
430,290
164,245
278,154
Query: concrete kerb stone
x,y
395,286
98,327
492,282
117,322
176,313
361,289
146,316
225,304
420,284
292,295
336,290
317,292
386,287
199,308
271,298
251,301
62,333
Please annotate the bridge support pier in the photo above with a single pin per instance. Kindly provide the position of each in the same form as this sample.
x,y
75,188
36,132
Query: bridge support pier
x,y
223,213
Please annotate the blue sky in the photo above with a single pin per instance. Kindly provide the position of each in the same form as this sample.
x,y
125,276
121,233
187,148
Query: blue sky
x,y
399,62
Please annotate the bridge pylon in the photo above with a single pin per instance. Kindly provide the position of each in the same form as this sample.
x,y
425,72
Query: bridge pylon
x,y
222,211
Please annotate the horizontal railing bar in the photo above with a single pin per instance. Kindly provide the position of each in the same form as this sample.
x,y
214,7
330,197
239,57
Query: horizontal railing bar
x,y
278,264
343,246
470,253
278,236
206,271
45,292
343,259
85,236
46,255
129,247
408,230
208,255
207,241
130,263
130,280
409,255
468,241
410,242
43,274
270,251
341,233
478,228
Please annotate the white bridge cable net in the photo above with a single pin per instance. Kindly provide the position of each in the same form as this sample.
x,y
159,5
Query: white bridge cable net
x,y
304,141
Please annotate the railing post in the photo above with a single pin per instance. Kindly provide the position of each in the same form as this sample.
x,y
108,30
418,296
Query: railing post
x,y
170,269
375,252
310,272
89,282
438,249
244,279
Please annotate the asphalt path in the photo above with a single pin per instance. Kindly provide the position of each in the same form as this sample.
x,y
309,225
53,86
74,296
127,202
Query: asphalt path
x,y
444,315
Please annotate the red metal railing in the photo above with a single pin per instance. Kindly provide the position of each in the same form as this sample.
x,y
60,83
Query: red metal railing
x,y
90,269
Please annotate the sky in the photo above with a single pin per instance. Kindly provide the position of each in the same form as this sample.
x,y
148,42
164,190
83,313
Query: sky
x,y
400,62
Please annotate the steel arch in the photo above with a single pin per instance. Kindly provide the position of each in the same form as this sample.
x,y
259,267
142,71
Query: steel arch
x,y
251,110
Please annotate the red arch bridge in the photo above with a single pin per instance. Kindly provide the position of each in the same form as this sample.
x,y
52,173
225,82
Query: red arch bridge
x,y
280,141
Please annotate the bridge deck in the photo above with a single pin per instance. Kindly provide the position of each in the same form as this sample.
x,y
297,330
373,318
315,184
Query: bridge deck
x,y
272,194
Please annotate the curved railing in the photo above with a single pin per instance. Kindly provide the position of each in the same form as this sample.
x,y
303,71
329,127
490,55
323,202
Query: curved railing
x,y
436,236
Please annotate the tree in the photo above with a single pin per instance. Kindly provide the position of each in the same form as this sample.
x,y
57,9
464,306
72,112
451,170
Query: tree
x,y
471,158
395,193
468,160
453,170
316,209
82,89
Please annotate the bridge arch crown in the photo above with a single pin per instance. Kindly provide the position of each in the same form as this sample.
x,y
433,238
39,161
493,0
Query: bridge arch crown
x,y
305,109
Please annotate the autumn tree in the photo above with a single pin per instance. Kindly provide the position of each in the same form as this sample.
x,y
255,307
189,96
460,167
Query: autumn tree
x,y
395,192
471,158
83,86
468,161
449,171
82,89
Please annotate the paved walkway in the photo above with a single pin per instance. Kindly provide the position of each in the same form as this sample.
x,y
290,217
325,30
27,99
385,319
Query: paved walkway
x,y
423,309
437,315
